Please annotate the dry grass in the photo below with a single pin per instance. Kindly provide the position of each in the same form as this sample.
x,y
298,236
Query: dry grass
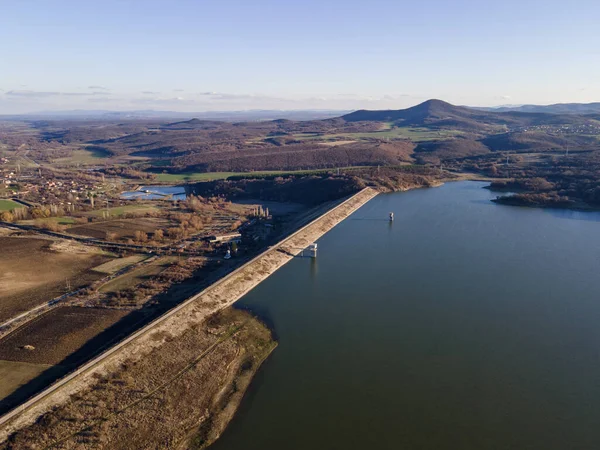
x,y
15,374
336,143
137,276
31,273
123,228
118,211
57,334
115,265
181,395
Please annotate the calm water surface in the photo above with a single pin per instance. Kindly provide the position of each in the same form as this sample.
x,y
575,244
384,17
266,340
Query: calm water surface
x,y
156,193
462,325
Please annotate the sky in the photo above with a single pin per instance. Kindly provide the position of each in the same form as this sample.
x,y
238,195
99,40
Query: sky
x,y
184,55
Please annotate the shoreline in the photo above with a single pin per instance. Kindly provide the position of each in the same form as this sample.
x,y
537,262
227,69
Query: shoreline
x,y
241,384
184,392
510,201
222,294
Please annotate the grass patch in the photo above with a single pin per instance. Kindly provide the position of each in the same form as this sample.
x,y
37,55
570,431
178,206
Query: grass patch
x,y
137,276
414,134
83,156
128,209
8,205
120,263
211,176
58,220
194,176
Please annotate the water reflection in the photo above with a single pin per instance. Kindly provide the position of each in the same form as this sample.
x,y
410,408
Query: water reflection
x,y
465,325
313,268
156,193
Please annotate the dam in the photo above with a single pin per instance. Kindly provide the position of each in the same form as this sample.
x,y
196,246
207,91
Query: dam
x,y
193,311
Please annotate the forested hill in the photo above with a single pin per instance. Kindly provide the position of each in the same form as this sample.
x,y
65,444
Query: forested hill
x,y
437,113
559,108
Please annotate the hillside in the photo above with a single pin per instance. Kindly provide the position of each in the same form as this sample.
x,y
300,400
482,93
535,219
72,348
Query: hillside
x,y
431,132
440,114
558,108
427,113
537,141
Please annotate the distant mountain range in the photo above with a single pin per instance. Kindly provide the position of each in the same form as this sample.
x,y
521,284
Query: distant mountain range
x,y
227,116
558,108
430,113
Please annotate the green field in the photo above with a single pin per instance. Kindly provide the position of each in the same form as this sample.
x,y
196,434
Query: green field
x,y
120,210
120,263
59,220
9,205
414,134
194,176
211,176
82,156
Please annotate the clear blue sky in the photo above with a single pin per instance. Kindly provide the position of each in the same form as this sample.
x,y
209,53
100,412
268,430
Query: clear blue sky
x,y
291,54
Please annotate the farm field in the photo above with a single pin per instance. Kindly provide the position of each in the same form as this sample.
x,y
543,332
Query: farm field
x,y
65,220
414,134
115,265
82,156
127,209
56,341
335,143
123,228
8,205
15,374
194,176
137,276
34,271
57,334
211,176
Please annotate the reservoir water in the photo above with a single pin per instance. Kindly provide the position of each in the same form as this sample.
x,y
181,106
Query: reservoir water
x,y
461,325
156,193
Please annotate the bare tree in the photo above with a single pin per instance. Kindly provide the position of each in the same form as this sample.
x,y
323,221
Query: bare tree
x,y
140,236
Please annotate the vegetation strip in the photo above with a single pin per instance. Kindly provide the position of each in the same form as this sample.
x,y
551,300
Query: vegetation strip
x,y
178,375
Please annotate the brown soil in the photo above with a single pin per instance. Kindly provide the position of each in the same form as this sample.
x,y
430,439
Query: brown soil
x,y
57,334
123,228
181,395
15,374
32,273
137,276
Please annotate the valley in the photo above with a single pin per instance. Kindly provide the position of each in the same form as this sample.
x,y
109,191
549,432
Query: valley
x,y
118,224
